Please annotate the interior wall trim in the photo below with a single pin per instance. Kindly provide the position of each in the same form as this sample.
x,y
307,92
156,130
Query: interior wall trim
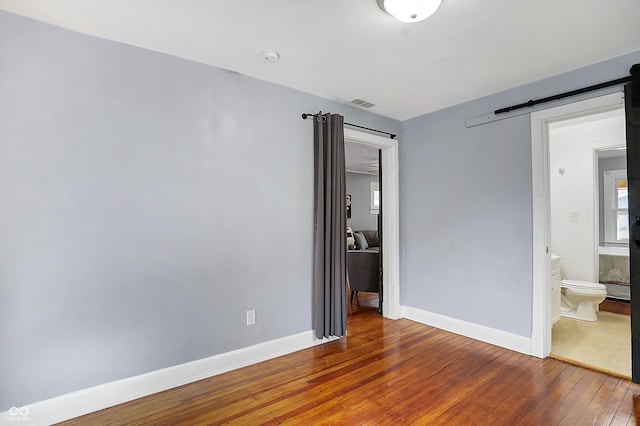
x,y
541,228
490,117
482,333
390,218
79,403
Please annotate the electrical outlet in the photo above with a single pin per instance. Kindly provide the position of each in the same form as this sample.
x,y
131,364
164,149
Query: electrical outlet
x,y
251,317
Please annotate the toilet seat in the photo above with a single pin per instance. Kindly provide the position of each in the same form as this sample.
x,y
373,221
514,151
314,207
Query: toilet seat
x,y
584,287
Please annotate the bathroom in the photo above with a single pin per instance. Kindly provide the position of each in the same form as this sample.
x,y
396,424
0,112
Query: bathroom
x,y
589,242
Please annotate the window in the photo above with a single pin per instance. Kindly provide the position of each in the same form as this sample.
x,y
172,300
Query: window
x,y
375,198
616,206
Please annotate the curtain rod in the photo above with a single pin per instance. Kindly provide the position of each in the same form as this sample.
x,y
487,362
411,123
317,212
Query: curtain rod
x,y
307,115
531,102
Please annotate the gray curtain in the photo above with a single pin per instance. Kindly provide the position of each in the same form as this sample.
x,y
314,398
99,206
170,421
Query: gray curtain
x,y
330,241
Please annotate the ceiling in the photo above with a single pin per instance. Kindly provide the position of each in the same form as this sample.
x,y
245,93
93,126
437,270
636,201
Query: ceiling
x,y
361,158
347,49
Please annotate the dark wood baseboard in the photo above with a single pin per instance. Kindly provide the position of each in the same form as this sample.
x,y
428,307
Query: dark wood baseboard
x,y
616,306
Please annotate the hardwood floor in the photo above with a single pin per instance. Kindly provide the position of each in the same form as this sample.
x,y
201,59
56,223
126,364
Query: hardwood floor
x,y
391,372
362,302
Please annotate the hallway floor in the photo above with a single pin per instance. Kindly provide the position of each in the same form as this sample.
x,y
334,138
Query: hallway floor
x,y
604,345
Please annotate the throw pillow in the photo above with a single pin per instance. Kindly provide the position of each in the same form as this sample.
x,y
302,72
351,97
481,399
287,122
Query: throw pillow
x,y
361,241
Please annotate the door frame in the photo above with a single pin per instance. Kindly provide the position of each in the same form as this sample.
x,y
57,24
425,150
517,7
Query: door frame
x,y
541,235
390,219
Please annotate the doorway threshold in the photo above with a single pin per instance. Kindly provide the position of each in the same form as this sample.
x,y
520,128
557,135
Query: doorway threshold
x,y
591,366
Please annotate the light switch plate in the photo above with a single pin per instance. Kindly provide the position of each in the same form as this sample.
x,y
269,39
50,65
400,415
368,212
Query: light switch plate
x,y
251,317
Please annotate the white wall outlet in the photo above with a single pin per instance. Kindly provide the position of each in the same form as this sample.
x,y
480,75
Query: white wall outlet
x,y
573,217
251,317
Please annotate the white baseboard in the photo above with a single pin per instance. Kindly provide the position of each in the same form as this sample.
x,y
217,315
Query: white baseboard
x,y
478,332
86,401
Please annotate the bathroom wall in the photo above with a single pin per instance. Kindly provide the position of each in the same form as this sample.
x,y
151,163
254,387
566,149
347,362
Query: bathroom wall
x,y
572,159
359,186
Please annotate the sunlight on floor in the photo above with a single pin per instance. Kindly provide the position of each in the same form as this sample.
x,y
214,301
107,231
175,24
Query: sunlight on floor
x,y
604,344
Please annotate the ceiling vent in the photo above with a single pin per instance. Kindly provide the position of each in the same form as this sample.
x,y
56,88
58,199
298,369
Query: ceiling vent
x,y
362,103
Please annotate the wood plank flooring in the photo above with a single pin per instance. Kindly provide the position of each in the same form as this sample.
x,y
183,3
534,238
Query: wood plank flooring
x,y
389,373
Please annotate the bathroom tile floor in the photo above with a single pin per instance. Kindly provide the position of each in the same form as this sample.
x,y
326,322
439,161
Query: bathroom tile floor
x,y
604,345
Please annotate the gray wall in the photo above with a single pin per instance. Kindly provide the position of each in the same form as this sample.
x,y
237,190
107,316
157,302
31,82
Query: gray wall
x,y
146,202
466,229
359,186
604,164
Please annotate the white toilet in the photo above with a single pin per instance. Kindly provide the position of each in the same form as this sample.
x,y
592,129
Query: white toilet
x,y
580,299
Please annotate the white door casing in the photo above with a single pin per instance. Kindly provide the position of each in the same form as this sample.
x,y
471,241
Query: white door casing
x,y
390,218
541,238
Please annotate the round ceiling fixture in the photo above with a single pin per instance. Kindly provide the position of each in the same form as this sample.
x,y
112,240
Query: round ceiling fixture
x,y
410,10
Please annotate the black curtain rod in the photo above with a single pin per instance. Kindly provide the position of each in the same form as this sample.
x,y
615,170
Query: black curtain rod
x,y
391,135
531,103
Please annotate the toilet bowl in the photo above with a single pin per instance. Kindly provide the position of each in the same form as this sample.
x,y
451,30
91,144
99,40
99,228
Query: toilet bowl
x,y
580,299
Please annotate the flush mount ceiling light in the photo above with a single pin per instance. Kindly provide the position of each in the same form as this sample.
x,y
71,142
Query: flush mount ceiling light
x,y
410,10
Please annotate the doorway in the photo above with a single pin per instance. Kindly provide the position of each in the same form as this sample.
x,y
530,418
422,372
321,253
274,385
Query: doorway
x,y
589,236
390,244
364,230
540,129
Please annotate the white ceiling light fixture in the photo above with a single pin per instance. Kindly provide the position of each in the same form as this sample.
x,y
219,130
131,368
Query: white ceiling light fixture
x,y
410,10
